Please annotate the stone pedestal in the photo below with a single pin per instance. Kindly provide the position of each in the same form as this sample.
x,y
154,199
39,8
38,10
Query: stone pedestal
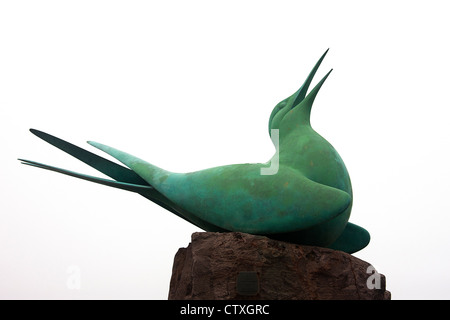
x,y
241,266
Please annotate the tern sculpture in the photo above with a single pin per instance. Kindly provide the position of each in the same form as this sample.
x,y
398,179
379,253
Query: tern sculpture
x,y
302,195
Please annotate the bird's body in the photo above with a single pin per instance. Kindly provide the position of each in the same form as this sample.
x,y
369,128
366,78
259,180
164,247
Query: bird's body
x,y
307,199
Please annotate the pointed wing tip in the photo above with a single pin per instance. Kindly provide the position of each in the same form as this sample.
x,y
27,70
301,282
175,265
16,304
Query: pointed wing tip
x,y
39,133
32,130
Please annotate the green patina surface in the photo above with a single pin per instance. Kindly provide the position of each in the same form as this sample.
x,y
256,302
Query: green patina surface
x,y
307,200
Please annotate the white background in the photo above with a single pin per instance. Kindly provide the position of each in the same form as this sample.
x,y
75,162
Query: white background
x,y
189,85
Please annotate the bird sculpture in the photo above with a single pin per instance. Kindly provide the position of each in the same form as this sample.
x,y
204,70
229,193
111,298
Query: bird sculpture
x,y
302,195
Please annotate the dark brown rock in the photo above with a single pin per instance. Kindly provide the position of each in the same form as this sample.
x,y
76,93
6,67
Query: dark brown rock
x,y
242,266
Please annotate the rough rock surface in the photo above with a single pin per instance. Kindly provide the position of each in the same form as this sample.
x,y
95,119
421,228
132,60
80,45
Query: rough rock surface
x,y
242,266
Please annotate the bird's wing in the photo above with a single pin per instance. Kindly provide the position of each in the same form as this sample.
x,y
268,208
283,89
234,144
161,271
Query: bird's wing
x,y
105,166
126,179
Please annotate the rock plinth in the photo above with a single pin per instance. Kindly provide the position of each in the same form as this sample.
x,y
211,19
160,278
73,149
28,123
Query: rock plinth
x,y
234,265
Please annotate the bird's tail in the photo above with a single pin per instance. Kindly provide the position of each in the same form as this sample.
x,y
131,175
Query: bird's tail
x,y
126,179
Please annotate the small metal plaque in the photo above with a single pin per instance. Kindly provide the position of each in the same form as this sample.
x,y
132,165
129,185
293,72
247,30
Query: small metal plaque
x,y
247,283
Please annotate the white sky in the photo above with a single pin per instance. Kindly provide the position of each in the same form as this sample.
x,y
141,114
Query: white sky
x,y
189,85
